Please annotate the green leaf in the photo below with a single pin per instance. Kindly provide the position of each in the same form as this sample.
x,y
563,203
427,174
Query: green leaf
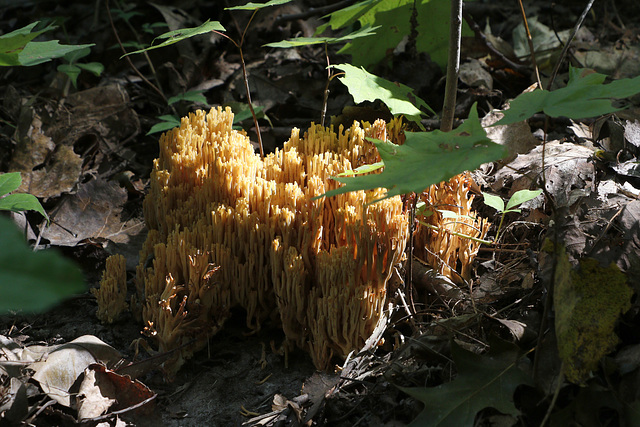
x,y
584,96
32,281
76,55
427,158
129,44
168,122
495,202
364,86
22,202
125,15
149,28
305,41
178,35
254,6
72,71
192,96
364,168
483,381
242,112
349,15
519,197
9,182
35,53
11,44
588,303
94,68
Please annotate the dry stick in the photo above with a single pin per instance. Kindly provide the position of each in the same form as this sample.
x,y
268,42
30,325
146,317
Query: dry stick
x,y
453,66
565,50
246,83
244,73
549,300
115,33
556,393
325,99
253,113
480,35
145,53
413,201
530,41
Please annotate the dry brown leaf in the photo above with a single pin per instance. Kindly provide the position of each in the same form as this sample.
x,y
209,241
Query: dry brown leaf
x,y
94,212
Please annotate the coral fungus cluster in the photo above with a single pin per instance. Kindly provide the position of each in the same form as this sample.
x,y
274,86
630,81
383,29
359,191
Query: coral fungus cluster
x,y
447,241
112,293
228,229
317,265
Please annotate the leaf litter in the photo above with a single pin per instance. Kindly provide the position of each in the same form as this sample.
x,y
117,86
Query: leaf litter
x,y
70,151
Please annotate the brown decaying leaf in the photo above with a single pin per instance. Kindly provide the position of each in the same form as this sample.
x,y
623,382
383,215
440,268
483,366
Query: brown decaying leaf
x,y
94,212
58,167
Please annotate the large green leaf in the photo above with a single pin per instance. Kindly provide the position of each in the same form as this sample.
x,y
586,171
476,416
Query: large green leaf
x,y
584,96
364,86
483,381
35,53
11,44
32,281
588,303
17,47
184,33
393,16
427,158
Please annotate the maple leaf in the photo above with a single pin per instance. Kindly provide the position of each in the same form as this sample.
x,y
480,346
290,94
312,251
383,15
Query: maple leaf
x,y
584,96
483,381
426,158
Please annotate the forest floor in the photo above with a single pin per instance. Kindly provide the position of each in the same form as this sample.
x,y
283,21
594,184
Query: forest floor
x,y
89,159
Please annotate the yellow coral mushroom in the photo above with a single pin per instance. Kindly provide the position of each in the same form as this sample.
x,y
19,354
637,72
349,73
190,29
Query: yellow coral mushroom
x,y
230,229
112,293
442,246
280,251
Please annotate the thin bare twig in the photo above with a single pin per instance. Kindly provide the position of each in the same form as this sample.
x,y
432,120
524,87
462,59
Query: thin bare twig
x,y
565,50
325,98
530,41
124,51
246,78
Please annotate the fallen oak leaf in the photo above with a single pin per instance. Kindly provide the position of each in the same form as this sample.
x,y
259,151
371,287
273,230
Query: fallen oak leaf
x,y
483,381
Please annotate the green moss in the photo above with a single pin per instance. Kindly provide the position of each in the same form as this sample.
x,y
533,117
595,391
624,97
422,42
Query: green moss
x,y
588,303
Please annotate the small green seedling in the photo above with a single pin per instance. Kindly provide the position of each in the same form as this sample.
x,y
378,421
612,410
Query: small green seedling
x,y
73,68
518,198
17,202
